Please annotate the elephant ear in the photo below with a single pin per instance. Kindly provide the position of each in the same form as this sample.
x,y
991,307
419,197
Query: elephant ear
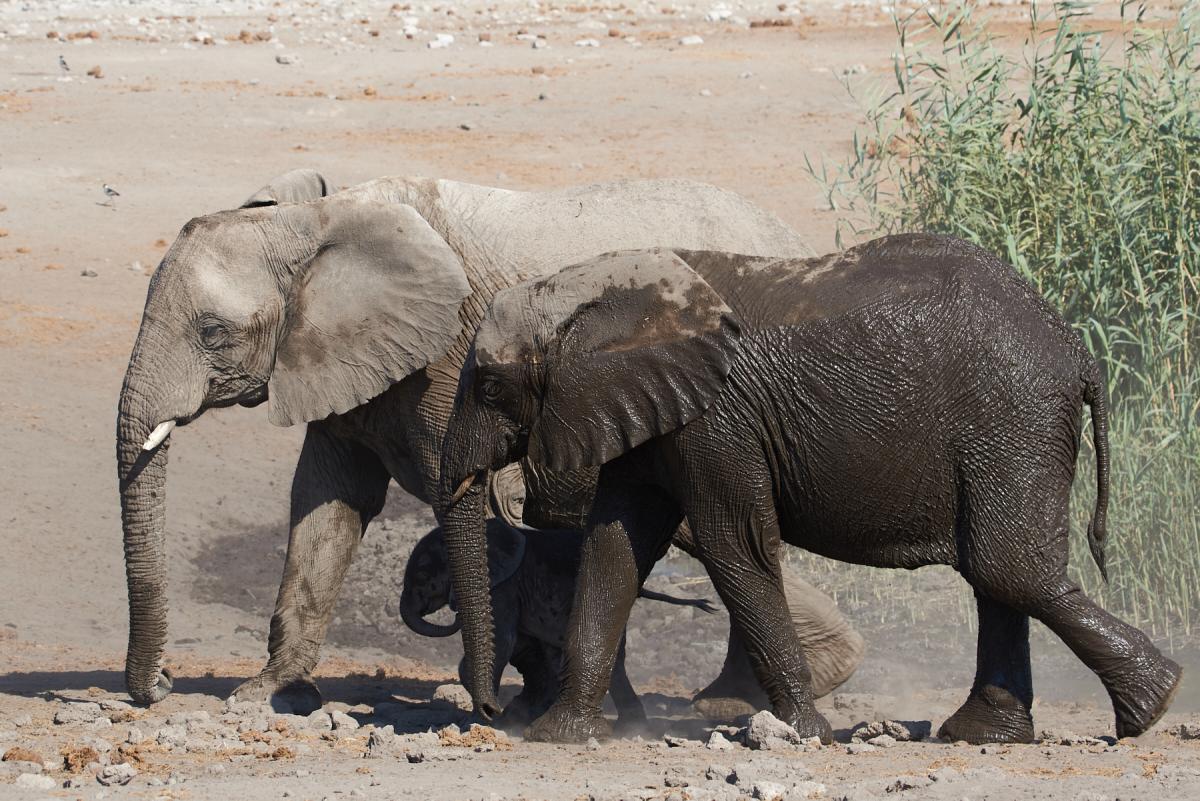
x,y
378,301
505,550
636,345
296,186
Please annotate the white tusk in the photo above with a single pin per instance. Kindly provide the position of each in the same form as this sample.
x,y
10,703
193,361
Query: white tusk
x,y
160,432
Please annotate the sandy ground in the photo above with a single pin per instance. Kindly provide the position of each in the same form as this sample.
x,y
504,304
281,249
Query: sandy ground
x,y
183,127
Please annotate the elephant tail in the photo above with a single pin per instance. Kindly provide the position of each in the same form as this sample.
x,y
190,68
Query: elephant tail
x,y
1094,397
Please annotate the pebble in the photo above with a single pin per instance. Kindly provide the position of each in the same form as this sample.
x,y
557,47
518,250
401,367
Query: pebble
x,y
674,778
455,695
883,741
678,742
587,43
691,41
592,744
903,783
859,748
285,59
440,40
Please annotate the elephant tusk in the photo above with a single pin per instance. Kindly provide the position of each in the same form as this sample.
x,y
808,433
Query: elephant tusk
x,y
160,433
463,487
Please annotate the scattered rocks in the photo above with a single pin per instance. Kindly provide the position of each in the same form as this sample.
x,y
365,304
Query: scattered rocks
x,y
767,732
901,730
1184,731
118,774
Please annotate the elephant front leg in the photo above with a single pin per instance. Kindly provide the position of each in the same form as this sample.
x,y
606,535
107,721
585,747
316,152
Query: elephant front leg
x,y
997,710
738,541
337,489
630,528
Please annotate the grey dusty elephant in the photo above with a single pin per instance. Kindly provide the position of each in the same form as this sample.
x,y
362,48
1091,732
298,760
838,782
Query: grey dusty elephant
x,y
351,313
532,579
911,401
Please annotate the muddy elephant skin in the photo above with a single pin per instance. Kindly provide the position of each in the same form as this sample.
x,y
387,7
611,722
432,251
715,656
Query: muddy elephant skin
x,y
911,401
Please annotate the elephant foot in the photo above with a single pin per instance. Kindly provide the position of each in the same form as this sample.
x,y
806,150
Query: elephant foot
x,y
1148,695
990,714
561,725
809,723
297,696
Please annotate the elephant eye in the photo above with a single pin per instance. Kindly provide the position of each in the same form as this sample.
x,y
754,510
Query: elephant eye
x,y
214,335
491,389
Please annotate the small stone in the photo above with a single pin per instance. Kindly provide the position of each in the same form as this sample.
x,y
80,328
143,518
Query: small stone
x,y
440,40
485,36
342,721
465,126
80,712
539,43
883,741
706,93
116,774
691,41
592,744
587,43
766,732
901,730
370,91
35,781
415,757
860,748
717,742
89,273
855,69
717,773
538,69
678,742
96,72
285,59
455,695
319,720
768,791
674,778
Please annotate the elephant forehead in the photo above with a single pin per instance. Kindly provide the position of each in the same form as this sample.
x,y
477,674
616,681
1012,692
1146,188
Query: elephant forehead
x,y
652,293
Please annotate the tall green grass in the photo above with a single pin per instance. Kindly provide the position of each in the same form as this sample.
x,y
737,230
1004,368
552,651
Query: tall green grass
x,y
1076,156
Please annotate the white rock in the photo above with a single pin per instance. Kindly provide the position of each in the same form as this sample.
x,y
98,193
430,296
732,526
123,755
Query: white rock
x,y
689,41
717,742
77,713
718,13
767,732
883,741
320,721
116,774
342,721
35,781
455,695
440,40
587,43
768,791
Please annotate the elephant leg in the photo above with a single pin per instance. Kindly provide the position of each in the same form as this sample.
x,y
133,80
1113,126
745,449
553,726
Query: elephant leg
x,y
630,528
997,710
338,488
1140,680
538,665
630,711
735,692
737,537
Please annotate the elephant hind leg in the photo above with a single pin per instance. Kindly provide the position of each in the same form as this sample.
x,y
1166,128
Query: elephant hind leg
x,y
997,710
1140,680
630,711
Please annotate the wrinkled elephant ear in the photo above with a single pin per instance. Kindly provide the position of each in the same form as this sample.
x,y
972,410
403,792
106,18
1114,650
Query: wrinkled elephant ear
x,y
296,186
636,345
378,301
506,551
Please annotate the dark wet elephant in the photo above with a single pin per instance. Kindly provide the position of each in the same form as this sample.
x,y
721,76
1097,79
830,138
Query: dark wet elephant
x,y
911,401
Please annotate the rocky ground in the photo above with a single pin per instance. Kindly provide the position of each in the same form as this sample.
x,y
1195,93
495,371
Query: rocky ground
x,y
187,107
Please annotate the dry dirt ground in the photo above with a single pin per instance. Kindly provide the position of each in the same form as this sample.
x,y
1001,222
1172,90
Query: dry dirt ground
x,y
196,104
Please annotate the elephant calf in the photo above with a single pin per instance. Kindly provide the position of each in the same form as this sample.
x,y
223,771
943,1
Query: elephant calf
x,y
532,579
911,401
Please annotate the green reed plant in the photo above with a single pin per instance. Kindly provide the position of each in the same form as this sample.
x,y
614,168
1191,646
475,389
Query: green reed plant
x,y
1077,157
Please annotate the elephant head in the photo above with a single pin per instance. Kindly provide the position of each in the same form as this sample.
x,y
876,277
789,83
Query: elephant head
x,y
427,575
572,371
313,307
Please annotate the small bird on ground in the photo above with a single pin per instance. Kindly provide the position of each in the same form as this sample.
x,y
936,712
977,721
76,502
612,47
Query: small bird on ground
x,y
111,195
62,64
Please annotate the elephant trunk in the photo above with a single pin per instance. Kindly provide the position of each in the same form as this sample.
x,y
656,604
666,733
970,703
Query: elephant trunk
x,y
466,546
142,477
414,617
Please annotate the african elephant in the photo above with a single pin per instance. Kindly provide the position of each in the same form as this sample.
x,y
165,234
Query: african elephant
x,y
351,313
911,401
532,579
